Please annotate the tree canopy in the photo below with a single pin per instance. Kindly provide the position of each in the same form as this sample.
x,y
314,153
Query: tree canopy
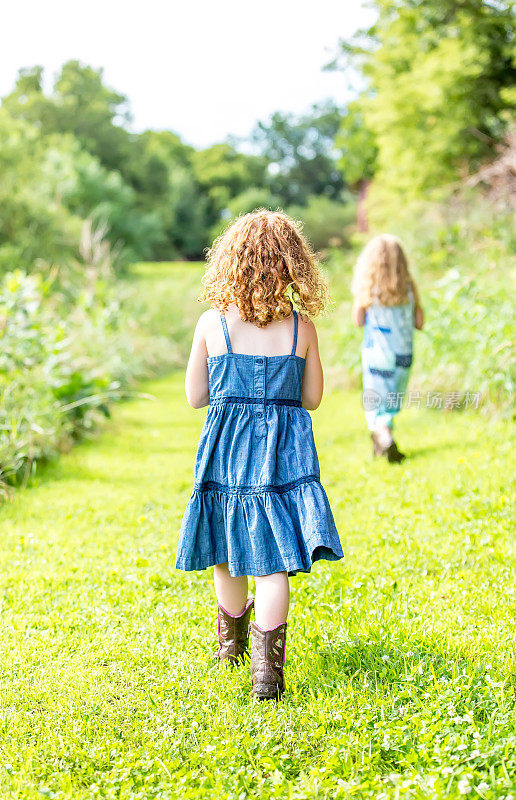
x,y
300,153
437,97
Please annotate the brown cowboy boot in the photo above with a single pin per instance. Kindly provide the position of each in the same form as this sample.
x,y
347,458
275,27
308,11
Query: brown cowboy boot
x,y
394,456
267,661
233,632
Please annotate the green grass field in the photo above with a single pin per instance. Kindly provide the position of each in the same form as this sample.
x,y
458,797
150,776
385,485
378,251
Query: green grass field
x,y
401,657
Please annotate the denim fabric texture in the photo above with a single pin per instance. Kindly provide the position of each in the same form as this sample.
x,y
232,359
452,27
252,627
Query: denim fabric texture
x,y
257,501
386,360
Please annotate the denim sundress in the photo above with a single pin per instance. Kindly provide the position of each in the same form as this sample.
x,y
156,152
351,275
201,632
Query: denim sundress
x,y
386,360
257,501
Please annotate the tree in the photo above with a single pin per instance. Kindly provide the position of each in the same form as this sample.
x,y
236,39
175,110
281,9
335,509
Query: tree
x,y
90,191
435,102
80,104
93,112
141,188
27,101
35,226
326,223
162,173
301,155
223,173
356,145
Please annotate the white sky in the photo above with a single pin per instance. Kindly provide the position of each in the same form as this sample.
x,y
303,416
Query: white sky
x,y
202,69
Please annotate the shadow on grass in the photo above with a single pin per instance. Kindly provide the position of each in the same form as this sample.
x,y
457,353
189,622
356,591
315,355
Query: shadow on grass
x,y
459,445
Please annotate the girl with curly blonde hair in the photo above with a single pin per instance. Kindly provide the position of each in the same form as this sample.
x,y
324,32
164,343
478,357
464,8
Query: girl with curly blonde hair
x,y
386,303
257,508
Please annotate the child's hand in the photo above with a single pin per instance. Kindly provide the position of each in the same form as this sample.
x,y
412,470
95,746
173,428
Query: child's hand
x,y
358,315
418,318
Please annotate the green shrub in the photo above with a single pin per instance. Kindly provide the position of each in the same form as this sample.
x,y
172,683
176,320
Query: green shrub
x,y
70,345
326,222
51,388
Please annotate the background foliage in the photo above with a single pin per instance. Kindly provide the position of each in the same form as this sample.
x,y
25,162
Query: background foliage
x,y
83,198
437,98
69,155
70,347
438,94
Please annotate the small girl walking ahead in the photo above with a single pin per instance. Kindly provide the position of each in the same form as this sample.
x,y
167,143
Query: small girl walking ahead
x,y
387,303
257,507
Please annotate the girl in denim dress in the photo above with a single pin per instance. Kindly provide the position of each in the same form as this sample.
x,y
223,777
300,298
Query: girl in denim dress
x,y
386,303
258,507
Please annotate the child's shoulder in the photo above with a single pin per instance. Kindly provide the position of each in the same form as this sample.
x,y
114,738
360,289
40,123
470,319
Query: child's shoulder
x,y
209,329
208,320
305,322
304,319
307,333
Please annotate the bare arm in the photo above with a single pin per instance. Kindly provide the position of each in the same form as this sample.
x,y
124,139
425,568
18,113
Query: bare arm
x,y
358,315
313,380
196,381
418,311
419,317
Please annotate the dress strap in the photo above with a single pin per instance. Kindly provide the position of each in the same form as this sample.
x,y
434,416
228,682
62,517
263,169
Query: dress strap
x,y
294,343
226,332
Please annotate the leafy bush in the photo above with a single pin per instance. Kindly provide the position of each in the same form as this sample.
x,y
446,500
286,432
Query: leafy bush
x,y
49,187
51,388
326,222
248,201
70,345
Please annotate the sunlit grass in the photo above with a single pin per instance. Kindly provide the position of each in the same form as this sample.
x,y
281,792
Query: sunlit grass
x,y
161,297
400,665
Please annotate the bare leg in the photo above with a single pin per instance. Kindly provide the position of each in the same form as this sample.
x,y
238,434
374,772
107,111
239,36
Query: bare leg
x,y
384,434
271,600
231,592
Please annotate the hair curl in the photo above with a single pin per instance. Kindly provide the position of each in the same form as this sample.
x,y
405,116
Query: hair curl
x,y
264,265
381,273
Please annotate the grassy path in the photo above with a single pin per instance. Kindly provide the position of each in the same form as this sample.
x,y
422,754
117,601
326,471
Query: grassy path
x,y
400,659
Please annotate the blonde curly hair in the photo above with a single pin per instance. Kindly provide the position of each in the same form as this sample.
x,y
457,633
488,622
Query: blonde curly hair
x,y
264,265
381,273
